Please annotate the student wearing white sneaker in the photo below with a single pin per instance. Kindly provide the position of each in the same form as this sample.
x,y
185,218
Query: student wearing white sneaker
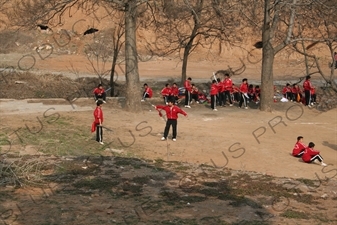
x,y
188,90
243,93
214,92
311,155
228,84
98,121
172,116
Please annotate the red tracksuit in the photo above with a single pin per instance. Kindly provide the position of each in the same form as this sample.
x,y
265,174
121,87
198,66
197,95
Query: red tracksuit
x,y
214,91
298,149
174,91
96,125
244,96
172,116
188,89
166,91
307,87
147,93
98,91
308,154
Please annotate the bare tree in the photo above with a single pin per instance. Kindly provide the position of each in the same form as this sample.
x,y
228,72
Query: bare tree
x,y
319,23
185,25
46,12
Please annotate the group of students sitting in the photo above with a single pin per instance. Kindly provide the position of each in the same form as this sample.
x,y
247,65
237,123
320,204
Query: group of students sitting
x,y
307,153
220,92
295,94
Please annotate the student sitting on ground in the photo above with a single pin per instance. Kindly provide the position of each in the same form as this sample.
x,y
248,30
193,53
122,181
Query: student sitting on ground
x,y
297,93
99,93
257,94
299,147
311,155
174,92
287,92
166,92
195,94
250,92
147,92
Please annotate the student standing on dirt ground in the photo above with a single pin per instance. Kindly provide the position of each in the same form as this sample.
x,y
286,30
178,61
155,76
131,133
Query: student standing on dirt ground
x,y
98,121
172,116
228,87
188,90
307,86
99,92
243,93
213,93
299,147
311,155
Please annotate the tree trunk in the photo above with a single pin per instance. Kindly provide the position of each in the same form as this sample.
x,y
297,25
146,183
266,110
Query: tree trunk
x,y
112,75
268,54
185,60
133,91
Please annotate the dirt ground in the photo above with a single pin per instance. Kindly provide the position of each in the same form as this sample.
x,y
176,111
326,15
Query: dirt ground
x,y
231,139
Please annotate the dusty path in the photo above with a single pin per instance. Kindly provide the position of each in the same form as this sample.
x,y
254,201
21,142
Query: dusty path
x,y
248,140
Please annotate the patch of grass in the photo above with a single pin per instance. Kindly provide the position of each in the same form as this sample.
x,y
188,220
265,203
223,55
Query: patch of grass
x,y
96,184
193,198
170,197
289,213
72,168
212,220
123,161
141,180
177,221
182,168
255,222
134,189
308,182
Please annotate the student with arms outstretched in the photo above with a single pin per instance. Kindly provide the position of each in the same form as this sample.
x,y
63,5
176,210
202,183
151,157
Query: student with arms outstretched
x,y
172,116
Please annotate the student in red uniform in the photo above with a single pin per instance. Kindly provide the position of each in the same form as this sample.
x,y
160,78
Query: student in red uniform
x,y
147,92
251,92
311,155
195,93
307,86
236,93
172,116
166,92
228,84
297,93
98,121
219,96
174,92
99,92
287,92
214,92
243,93
257,94
313,96
299,147
188,89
